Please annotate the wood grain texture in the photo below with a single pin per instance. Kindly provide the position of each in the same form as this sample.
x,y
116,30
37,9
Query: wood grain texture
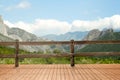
x,y
60,72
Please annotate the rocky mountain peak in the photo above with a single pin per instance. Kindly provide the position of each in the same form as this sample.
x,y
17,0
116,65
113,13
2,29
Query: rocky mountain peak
x,y
110,30
3,27
107,31
24,35
93,34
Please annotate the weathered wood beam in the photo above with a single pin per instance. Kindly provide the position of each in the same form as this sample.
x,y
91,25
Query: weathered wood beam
x,y
7,56
43,55
81,54
45,43
97,42
7,43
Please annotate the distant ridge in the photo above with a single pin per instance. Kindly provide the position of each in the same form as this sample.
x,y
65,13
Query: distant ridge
x,y
67,36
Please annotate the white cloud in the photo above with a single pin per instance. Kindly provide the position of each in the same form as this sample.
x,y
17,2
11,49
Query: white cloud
x,y
51,26
9,24
22,25
43,27
21,5
107,22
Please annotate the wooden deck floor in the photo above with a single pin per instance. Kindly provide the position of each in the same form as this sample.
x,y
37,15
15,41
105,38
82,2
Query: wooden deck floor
x,y
61,72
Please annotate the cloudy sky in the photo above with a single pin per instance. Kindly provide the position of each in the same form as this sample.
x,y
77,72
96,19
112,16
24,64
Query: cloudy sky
x,y
43,17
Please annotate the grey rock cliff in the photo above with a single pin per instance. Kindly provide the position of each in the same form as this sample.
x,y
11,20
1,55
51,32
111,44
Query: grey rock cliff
x,y
24,35
93,34
11,34
3,27
107,31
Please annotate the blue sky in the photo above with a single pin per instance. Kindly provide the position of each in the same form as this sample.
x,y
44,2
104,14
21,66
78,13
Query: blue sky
x,y
30,12
66,10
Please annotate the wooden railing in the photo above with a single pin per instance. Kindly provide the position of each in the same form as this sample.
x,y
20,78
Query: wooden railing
x,y
72,43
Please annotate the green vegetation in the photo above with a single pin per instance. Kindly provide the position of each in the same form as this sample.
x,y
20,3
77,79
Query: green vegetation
x,y
45,61
10,50
104,48
97,60
101,48
78,60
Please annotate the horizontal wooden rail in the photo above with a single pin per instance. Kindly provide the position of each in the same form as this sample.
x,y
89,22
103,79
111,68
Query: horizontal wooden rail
x,y
7,43
7,55
97,54
44,43
59,42
43,55
81,54
97,42
68,42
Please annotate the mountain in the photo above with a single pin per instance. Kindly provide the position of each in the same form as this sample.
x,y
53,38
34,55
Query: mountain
x,y
97,34
92,35
11,34
104,35
67,36
3,27
22,35
5,38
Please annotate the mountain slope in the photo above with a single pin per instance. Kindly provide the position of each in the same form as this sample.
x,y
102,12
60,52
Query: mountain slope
x,y
67,36
11,34
5,38
24,35
108,35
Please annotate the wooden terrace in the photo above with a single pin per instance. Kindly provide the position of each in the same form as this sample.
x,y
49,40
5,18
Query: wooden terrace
x,y
59,71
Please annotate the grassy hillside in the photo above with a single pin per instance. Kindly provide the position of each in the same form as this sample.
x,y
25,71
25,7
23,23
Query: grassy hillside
x,y
9,50
78,60
104,47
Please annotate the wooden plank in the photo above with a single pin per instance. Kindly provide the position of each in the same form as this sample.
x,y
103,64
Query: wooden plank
x,y
44,43
61,55
97,54
61,42
7,43
60,72
7,56
43,55
68,42
97,42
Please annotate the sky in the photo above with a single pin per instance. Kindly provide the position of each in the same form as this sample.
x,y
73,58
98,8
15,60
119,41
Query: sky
x,y
43,17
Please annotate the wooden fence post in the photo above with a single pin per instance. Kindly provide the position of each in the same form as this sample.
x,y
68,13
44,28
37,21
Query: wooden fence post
x,y
16,53
72,53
